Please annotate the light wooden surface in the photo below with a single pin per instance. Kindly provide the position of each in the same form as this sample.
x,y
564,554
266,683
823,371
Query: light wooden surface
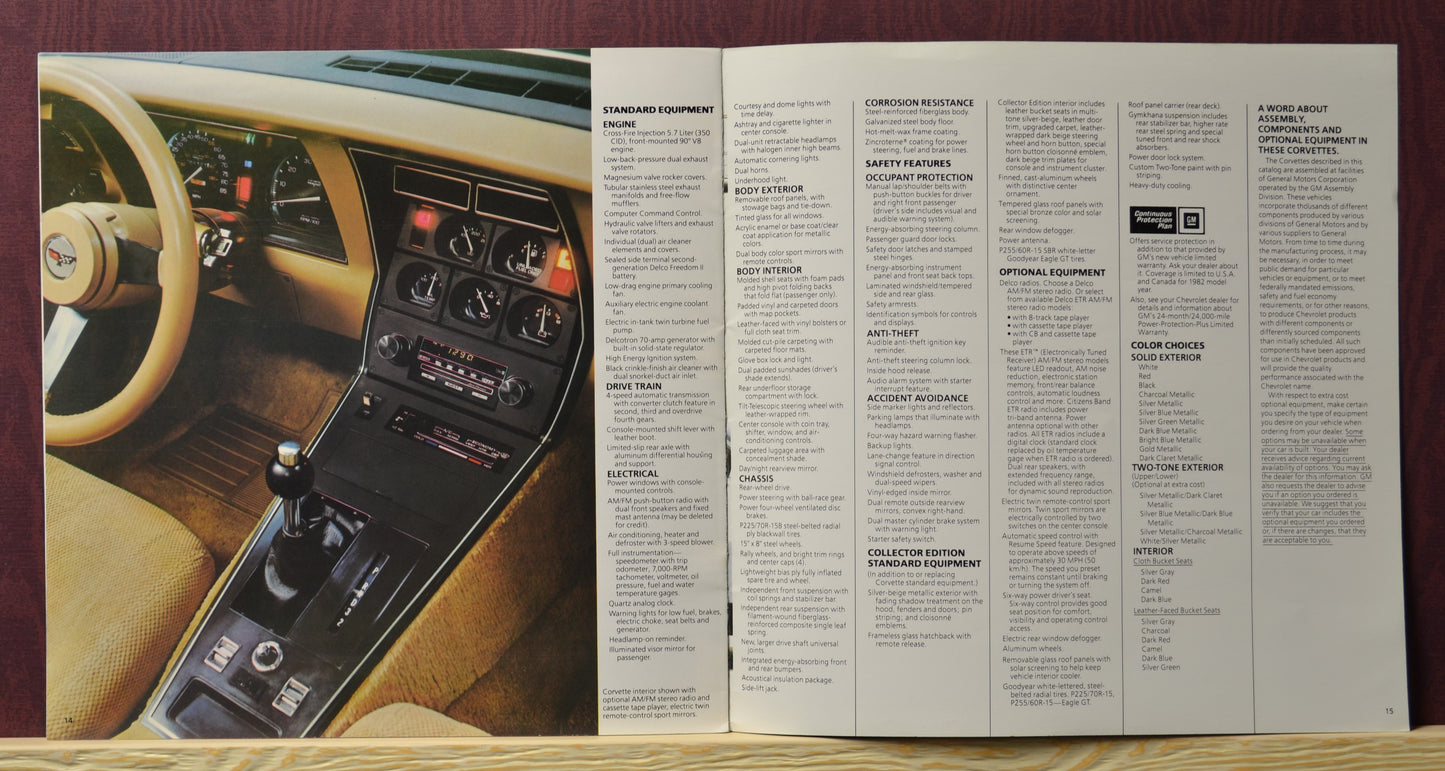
x,y
1423,748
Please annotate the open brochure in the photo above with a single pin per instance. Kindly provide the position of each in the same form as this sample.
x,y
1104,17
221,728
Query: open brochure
x,y
1060,389
945,389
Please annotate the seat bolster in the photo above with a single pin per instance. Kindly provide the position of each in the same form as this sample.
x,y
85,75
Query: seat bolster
x,y
408,720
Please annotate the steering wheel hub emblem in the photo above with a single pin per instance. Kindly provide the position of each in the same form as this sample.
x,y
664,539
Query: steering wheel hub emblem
x,y
60,258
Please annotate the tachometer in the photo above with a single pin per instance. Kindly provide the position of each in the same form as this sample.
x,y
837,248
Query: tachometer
x,y
204,167
297,197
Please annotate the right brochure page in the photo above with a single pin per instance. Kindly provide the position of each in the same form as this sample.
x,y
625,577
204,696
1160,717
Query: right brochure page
x,y
1063,389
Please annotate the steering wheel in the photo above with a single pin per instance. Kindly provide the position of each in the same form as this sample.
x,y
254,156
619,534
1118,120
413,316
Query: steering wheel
x,y
84,248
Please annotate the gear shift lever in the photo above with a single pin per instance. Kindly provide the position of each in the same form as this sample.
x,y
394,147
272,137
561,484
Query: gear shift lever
x,y
305,550
290,476
297,563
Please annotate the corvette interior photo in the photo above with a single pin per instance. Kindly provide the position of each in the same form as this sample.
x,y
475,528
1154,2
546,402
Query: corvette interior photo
x,y
318,395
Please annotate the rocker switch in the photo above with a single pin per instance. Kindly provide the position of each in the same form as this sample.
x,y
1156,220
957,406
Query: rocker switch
x,y
369,403
221,655
291,695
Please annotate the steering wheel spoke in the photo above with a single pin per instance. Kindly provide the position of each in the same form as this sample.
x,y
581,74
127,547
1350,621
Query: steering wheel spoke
x,y
60,339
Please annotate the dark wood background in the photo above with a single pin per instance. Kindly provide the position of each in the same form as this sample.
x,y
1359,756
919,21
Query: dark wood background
x,y
29,26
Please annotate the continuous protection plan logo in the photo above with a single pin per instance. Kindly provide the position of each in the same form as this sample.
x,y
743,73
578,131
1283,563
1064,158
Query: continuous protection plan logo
x,y
1166,220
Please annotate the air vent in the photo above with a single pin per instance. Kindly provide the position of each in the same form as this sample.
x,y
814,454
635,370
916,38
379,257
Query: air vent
x,y
479,80
445,75
358,65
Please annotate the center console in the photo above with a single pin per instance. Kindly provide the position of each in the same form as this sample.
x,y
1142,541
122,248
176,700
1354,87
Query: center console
x,y
477,345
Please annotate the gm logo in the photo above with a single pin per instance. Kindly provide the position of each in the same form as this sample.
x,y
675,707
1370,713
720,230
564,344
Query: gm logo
x,y
1191,221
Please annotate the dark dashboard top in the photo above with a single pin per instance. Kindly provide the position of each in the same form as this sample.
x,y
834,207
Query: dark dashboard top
x,y
548,85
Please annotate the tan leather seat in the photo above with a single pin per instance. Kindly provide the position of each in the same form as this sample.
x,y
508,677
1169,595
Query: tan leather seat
x,y
408,720
123,579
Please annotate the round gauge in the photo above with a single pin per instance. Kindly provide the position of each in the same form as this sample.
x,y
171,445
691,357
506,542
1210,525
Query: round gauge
x,y
520,254
461,238
204,167
297,197
535,320
419,284
476,301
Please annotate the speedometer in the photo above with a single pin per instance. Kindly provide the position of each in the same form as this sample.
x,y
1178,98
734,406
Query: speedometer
x,y
204,167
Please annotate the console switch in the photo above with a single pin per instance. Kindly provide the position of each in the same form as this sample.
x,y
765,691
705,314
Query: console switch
x,y
291,695
369,403
222,653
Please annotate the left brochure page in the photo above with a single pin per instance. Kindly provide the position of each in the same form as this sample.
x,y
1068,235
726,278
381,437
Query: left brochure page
x,y
387,259
661,523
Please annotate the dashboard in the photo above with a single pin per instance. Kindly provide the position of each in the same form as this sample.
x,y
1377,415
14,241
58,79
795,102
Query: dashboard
x,y
259,132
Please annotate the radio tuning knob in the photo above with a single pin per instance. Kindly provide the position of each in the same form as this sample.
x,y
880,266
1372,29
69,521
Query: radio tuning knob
x,y
515,392
395,348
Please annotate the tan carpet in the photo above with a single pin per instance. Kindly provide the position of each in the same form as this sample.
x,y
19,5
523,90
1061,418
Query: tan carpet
x,y
283,375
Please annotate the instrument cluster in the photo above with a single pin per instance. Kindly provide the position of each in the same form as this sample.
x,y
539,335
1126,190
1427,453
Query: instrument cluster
x,y
265,175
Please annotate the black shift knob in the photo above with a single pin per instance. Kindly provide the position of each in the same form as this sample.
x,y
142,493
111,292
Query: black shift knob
x,y
290,474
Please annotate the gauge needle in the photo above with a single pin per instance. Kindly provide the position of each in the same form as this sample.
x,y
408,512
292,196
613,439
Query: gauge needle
x,y
198,170
481,298
301,199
